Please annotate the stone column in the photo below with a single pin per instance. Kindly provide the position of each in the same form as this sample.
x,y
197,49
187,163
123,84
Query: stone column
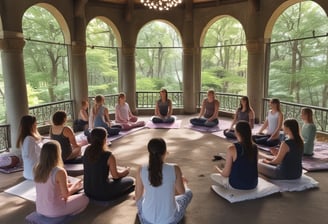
x,y
15,84
255,77
188,82
78,75
256,59
189,93
128,75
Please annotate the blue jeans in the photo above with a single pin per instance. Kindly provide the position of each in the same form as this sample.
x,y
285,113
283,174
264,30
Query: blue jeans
x,y
157,120
182,200
204,122
263,140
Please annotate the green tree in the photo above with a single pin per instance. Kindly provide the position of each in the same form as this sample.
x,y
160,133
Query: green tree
x,y
101,58
45,60
158,57
299,57
224,57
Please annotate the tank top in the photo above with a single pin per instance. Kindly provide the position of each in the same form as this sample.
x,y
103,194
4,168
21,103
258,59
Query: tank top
x,y
123,110
209,108
99,120
272,122
96,173
243,115
159,205
48,196
64,143
291,165
244,175
163,107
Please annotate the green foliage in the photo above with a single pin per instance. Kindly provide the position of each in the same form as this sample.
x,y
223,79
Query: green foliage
x,y
46,66
224,58
101,59
301,62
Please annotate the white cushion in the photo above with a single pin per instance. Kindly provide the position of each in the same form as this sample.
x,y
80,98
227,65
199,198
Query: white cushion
x,y
301,184
263,188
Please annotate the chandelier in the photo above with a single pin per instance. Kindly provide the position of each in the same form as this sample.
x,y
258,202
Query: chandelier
x,y
161,4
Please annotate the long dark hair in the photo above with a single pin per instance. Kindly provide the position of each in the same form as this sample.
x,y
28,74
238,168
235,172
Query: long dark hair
x,y
244,130
97,146
277,102
292,124
165,91
26,129
156,149
248,107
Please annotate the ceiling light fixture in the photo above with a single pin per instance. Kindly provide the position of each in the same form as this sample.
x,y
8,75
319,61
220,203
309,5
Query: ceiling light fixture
x,y
161,4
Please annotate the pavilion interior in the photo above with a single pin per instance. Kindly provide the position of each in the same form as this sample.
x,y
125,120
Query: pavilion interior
x,y
192,150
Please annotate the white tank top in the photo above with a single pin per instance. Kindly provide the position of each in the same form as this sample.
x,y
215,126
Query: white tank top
x,y
272,122
159,205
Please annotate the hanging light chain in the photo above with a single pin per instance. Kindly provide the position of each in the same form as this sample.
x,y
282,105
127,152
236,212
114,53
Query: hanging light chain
x,y
161,4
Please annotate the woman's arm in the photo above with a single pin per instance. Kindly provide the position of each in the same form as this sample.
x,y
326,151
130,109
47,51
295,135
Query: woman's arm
x,y
170,109
139,189
157,110
179,181
113,168
65,190
251,117
235,118
202,109
264,126
83,115
280,156
106,116
230,157
68,132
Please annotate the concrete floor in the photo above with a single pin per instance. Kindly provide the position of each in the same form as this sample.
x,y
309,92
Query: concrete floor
x,y
193,151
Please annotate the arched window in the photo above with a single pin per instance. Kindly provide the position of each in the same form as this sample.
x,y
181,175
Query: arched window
x,y
45,58
299,55
158,58
224,57
102,58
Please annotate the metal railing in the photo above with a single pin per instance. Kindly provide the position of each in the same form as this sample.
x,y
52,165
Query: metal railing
x,y
5,139
110,102
148,99
293,110
44,112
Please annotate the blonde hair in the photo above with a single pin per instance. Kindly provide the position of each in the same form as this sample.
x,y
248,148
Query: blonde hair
x,y
50,157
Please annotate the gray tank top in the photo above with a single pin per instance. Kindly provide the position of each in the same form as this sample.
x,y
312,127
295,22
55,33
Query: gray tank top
x,y
209,108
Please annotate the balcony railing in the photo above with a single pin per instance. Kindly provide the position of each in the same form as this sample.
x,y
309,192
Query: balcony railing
x,y
293,110
148,99
44,112
5,139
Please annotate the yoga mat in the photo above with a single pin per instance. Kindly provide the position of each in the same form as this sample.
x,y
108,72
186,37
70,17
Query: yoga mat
x,y
11,170
26,189
319,160
175,125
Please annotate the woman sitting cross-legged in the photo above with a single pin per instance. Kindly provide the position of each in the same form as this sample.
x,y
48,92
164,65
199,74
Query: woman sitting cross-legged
x,y
98,161
59,131
161,191
55,196
163,109
123,115
240,170
287,164
272,124
244,113
208,115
